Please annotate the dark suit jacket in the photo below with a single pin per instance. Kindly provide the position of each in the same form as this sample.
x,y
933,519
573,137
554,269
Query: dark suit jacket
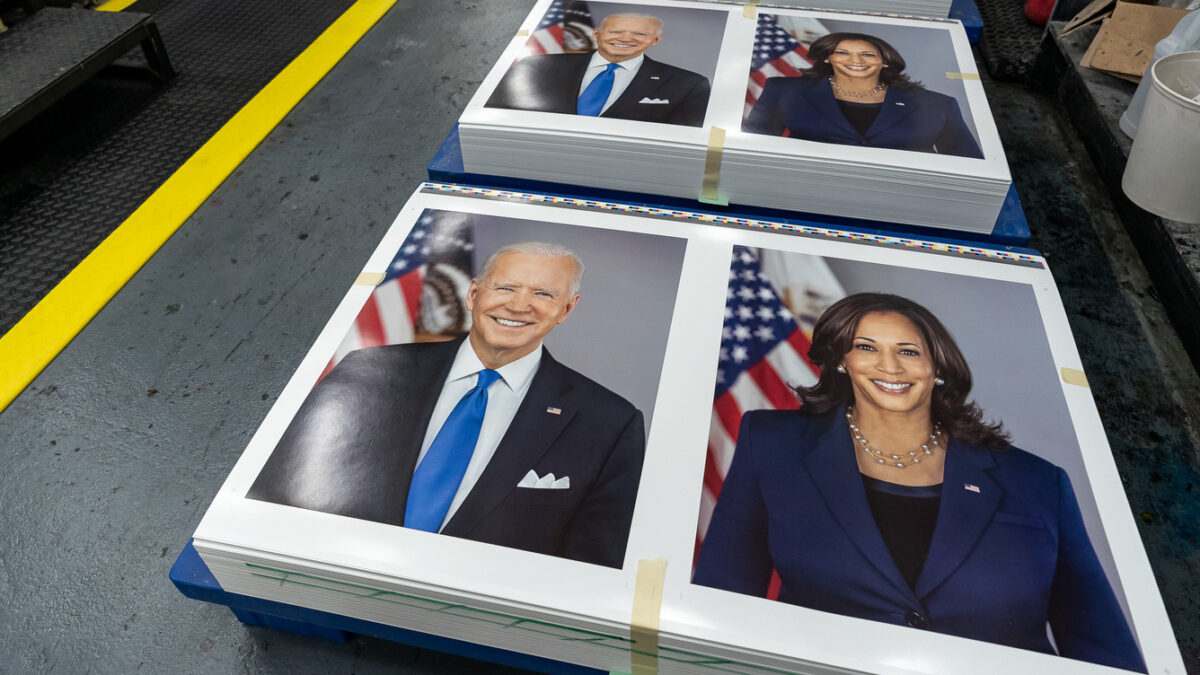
x,y
1003,561
910,119
550,83
353,445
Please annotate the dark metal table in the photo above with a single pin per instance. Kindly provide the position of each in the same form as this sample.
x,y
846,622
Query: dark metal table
x,y
56,49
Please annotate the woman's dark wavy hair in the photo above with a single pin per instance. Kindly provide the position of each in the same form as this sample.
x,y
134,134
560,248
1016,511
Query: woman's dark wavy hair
x,y
833,338
893,75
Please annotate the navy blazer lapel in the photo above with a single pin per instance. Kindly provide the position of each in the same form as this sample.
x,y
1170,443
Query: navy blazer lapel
x,y
822,100
897,107
530,434
641,86
969,499
834,471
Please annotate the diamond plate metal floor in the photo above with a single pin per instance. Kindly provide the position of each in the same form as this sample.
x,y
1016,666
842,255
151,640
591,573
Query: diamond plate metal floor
x,y
1009,42
71,176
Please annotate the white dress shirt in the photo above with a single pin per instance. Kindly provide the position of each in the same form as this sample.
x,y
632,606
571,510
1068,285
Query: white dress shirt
x,y
622,76
504,397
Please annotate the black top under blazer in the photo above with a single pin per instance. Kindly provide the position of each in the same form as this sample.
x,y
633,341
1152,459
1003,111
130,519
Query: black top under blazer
x,y
1009,550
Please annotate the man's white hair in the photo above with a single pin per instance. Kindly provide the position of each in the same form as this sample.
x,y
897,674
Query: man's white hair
x,y
538,248
634,15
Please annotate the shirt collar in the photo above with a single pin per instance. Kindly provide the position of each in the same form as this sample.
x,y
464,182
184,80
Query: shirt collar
x,y
631,65
516,374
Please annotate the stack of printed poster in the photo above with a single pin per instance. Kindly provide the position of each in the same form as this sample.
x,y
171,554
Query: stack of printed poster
x,y
851,114
646,490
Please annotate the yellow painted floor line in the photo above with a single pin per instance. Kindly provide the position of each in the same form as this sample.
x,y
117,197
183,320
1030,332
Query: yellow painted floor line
x,y
115,5
52,323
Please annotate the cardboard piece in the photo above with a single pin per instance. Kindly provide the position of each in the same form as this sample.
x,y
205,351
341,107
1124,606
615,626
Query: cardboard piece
x,y
1124,46
1096,10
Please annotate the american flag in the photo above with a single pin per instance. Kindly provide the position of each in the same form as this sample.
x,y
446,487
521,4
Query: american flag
x,y
777,52
764,348
566,28
393,313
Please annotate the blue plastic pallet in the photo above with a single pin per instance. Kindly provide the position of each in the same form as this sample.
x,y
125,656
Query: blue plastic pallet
x,y
966,12
193,578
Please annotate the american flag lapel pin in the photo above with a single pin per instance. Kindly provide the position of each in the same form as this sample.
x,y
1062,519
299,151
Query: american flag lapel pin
x,y
655,77
558,411
899,103
971,487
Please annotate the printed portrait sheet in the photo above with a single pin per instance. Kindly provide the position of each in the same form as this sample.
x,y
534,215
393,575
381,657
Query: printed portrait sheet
x,y
798,59
976,531
670,87
763,543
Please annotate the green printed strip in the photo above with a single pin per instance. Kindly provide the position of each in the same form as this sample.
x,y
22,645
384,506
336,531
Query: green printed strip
x,y
287,577
623,644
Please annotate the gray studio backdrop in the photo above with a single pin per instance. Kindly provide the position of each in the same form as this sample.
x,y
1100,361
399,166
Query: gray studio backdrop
x,y
999,329
928,55
691,37
617,335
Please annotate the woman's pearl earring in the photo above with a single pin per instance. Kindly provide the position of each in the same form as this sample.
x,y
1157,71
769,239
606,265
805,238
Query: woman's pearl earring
x,y
937,382
841,369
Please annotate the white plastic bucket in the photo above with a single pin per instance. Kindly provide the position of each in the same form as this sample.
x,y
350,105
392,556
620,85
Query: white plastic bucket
x,y
1184,38
1163,172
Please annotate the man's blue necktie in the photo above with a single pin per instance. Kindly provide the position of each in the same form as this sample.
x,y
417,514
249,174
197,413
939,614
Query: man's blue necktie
x,y
440,472
592,100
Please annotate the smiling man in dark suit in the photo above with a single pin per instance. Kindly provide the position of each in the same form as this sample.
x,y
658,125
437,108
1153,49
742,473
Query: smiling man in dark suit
x,y
617,80
486,438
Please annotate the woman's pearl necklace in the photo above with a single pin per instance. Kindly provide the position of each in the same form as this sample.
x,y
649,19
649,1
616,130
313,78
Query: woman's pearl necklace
x,y
857,94
889,459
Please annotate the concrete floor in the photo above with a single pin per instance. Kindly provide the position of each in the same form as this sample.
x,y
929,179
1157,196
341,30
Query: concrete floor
x,y
112,454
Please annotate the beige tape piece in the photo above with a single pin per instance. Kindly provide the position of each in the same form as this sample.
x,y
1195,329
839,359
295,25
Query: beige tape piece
x,y
522,33
962,76
712,168
1075,377
748,9
643,622
369,279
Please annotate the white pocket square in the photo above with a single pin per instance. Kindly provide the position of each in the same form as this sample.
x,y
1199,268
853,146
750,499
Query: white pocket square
x,y
654,100
546,482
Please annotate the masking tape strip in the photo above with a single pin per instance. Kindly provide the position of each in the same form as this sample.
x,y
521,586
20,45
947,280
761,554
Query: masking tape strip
x,y
962,76
643,621
748,9
369,279
1075,377
712,167
522,33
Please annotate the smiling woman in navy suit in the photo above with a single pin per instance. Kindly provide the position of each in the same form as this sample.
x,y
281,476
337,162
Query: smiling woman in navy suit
x,y
887,497
856,93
